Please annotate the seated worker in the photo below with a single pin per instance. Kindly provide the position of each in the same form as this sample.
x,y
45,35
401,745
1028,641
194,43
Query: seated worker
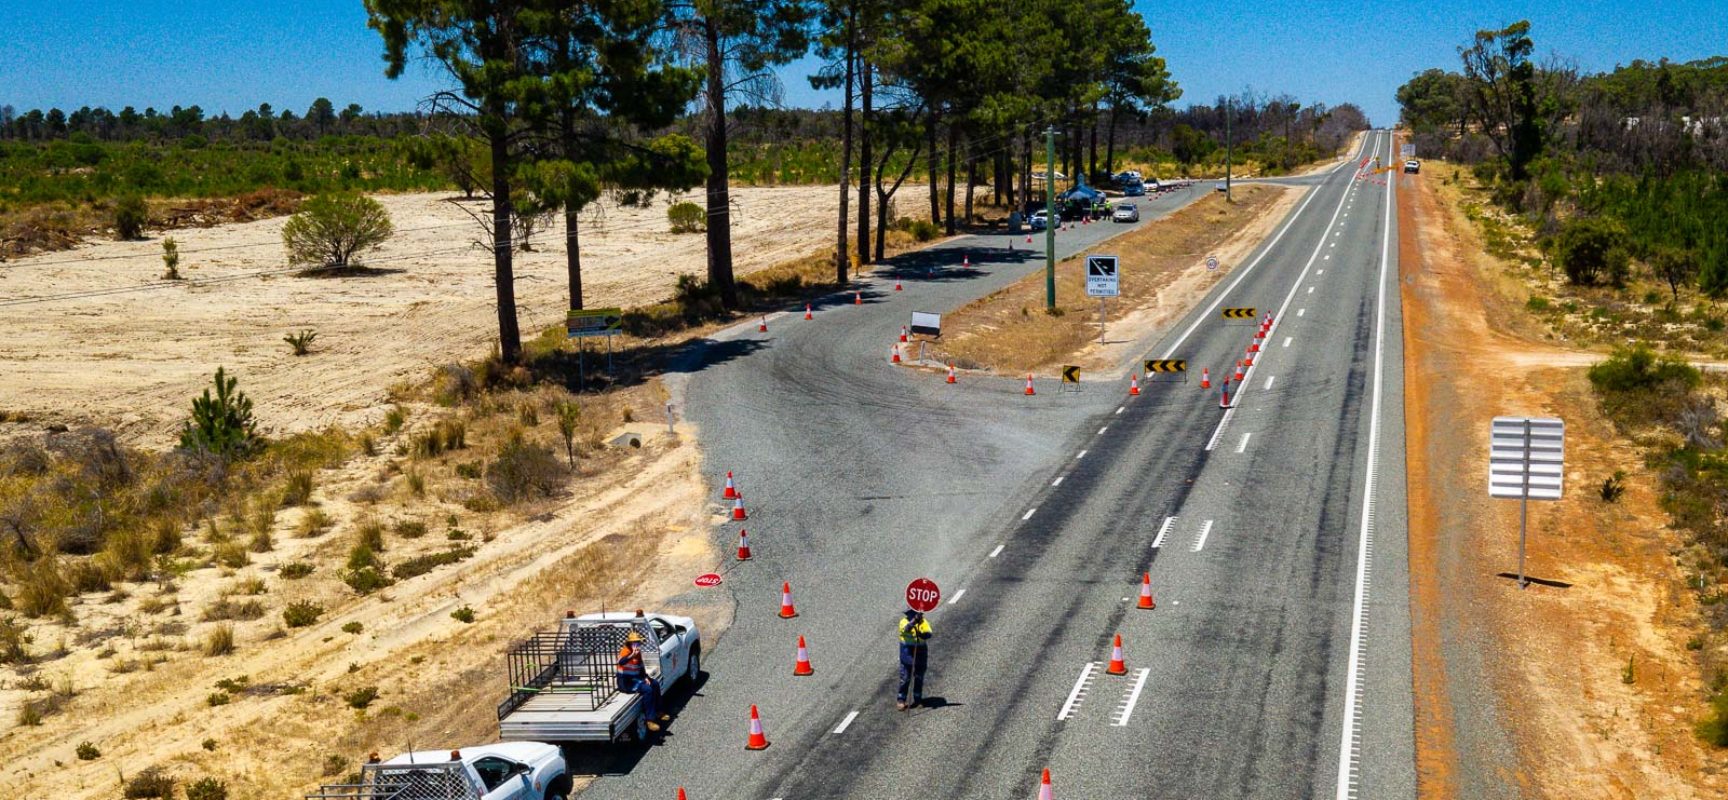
x,y
633,679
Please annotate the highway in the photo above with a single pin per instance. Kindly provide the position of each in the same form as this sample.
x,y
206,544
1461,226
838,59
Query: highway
x,y
1277,662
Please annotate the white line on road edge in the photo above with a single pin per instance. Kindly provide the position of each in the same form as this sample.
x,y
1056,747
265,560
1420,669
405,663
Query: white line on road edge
x,y
1205,530
1270,379
997,551
1228,413
1074,697
1349,748
1163,530
1243,445
1058,481
956,597
1133,698
1287,340
1029,513
841,728
1079,455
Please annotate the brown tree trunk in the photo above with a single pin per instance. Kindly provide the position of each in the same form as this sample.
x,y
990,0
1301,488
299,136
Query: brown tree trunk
x,y
842,250
933,161
865,79
719,194
503,267
953,157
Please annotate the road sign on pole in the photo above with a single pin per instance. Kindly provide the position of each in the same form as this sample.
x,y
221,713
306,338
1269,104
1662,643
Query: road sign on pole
x,y
1102,279
923,595
1526,460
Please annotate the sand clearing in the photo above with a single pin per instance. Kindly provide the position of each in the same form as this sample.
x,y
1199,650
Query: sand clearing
x,y
100,346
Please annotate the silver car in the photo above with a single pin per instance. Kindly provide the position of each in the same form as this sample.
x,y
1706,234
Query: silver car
x,y
1125,212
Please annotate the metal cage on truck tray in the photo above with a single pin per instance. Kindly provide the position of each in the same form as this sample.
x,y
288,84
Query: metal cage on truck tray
x,y
579,663
450,780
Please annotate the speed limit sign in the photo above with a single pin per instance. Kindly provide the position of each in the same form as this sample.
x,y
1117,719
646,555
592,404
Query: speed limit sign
x,y
923,595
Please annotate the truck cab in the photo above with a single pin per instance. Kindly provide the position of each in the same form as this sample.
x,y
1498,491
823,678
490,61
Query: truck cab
x,y
504,771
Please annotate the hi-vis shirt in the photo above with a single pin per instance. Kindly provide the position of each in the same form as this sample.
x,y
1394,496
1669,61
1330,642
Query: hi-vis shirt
x,y
914,634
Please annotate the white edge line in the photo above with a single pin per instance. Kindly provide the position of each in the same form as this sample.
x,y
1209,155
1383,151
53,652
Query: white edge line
x,y
1353,674
1162,531
1073,700
1228,413
956,597
997,551
841,728
1133,697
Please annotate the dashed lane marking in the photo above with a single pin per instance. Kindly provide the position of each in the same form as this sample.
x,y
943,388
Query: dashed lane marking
x,y
1119,409
1320,271
844,723
1163,530
1200,542
1029,513
1078,694
956,597
1301,311
1243,445
1270,379
997,551
1103,429
1287,340
1079,455
1129,700
1310,290
1058,481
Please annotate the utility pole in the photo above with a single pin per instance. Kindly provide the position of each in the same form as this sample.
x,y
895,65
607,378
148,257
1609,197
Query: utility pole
x,y
1229,143
1052,221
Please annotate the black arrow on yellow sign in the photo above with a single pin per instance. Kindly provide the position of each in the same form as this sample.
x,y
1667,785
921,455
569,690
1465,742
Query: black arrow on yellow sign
x,y
1167,365
1239,313
1070,374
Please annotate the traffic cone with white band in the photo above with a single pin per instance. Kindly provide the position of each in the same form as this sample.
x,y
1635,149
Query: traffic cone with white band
x,y
1044,791
951,373
1029,391
763,326
731,492
1146,592
758,740
1133,385
738,509
894,354
802,666
1117,665
807,311
743,546
1205,378
786,609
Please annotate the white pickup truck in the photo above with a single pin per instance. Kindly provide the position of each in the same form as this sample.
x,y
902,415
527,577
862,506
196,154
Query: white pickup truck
x,y
505,771
563,683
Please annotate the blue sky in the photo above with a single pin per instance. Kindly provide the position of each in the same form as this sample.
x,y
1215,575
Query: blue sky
x,y
234,55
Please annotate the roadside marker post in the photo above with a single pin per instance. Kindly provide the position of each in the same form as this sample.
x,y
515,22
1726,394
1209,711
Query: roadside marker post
x,y
1527,461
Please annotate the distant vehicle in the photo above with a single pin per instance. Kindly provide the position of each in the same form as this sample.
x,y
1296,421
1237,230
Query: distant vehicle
x,y
1412,166
563,682
1039,220
505,771
1126,212
1129,175
1219,186
1133,189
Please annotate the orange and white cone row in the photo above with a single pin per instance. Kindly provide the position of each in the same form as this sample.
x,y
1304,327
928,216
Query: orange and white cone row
x,y
758,739
894,354
902,334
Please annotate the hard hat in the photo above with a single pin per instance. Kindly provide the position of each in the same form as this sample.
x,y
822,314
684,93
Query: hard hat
x,y
633,636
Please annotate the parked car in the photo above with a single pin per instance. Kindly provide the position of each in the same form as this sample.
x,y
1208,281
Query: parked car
x,y
1126,212
1412,166
1133,189
1039,220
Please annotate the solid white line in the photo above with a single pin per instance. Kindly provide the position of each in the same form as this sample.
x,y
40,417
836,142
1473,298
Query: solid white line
x,y
1270,379
1228,413
1103,429
1243,273
1029,513
1301,311
1205,530
1287,340
1348,756
1243,445
846,722
1079,455
956,597
1058,481
997,551
1133,698
1073,700
1163,530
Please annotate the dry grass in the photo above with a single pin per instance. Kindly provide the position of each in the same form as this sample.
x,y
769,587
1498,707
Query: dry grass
x,y
1010,331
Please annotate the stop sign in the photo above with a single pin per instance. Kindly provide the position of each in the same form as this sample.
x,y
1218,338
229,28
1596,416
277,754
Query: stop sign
x,y
923,594
710,579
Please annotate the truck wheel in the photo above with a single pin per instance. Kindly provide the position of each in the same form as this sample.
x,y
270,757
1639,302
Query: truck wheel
x,y
694,668
560,789
639,731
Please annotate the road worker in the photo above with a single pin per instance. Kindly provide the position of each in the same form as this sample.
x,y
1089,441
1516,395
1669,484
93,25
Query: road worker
x,y
633,679
914,657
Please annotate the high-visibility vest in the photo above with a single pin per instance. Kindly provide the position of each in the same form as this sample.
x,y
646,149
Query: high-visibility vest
x,y
629,662
914,634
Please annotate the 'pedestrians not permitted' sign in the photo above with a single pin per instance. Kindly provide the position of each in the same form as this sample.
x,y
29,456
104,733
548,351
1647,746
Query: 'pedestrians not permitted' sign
x,y
1102,279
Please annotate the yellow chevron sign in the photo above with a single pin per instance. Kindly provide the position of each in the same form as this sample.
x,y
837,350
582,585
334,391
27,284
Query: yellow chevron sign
x,y
1167,365
1070,374
1239,313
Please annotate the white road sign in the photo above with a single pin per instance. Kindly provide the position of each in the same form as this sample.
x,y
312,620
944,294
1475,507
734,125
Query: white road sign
x,y
1101,277
1407,150
1526,457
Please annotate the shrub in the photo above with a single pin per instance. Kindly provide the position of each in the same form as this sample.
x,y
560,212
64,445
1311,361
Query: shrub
x,y
14,642
151,783
415,480
523,470
334,765
218,699
1639,369
420,565
368,444
1613,486
300,343
331,229
445,435
87,752
464,615
687,217
230,554
365,580
394,418
29,714
220,641
130,216
568,414
296,570
1592,250
1714,727
220,425
409,528
226,609
207,788
301,613
369,534
352,627
361,697
924,230
170,259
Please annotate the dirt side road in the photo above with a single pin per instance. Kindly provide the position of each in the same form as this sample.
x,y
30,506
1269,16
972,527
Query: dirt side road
x,y
114,353
1527,693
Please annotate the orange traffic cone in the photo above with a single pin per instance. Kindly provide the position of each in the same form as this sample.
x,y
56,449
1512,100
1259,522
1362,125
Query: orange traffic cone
x,y
786,609
1238,377
807,311
966,260
1146,592
731,492
802,666
743,546
1028,238
951,373
1205,378
1254,346
758,740
681,793
1029,391
894,351
1044,791
1117,665
763,326
897,286
1224,396
738,509
1133,385
1249,361
902,334
857,298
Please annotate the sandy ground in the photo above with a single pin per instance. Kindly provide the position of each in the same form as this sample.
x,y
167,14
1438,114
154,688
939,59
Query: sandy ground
x,y
104,342
1554,654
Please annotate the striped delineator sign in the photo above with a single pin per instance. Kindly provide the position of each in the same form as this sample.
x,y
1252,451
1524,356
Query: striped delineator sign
x,y
1526,458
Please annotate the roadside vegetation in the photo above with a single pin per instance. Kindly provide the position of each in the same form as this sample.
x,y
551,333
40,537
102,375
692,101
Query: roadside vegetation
x,y
1606,194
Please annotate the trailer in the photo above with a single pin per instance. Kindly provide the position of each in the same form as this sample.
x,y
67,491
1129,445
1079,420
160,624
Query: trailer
x,y
563,682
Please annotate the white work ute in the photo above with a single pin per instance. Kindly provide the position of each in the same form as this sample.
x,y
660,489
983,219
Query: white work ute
x,y
564,684
506,771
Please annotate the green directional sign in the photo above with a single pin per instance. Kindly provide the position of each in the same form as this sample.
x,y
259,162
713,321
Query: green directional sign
x,y
594,322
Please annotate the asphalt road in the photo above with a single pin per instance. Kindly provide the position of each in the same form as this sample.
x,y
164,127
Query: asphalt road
x,y
1277,662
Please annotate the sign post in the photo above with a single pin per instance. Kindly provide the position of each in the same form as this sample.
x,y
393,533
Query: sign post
x,y
1102,280
581,323
923,595
1526,460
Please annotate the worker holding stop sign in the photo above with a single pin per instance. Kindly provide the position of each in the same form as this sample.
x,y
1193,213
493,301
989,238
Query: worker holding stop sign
x,y
921,595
